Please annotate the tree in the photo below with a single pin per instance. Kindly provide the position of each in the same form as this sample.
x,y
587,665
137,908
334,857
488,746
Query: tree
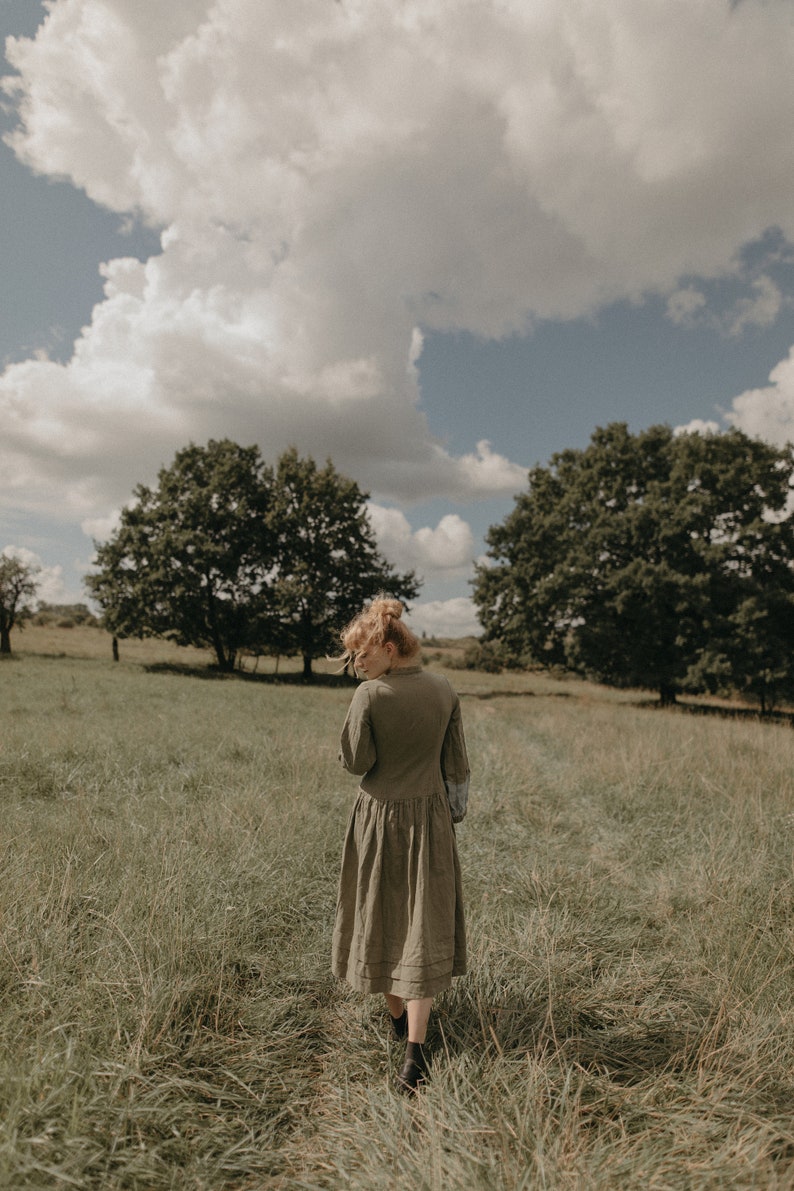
x,y
327,563
632,560
225,553
191,557
17,588
759,655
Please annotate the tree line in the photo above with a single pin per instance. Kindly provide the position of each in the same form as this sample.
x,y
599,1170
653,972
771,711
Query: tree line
x,y
656,560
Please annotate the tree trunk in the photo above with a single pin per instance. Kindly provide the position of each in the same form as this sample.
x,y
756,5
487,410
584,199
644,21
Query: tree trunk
x,y
115,647
307,667
225,661
5,639
666,695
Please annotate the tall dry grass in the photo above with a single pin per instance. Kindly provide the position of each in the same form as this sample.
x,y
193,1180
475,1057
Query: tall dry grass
x,y
170,852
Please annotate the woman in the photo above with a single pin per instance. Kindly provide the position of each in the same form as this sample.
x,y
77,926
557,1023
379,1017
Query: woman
x,y
399,920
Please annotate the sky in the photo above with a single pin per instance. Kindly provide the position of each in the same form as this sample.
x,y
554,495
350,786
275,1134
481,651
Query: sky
x,y
434,240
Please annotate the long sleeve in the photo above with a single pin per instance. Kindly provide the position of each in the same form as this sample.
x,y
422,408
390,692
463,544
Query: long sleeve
x,y
357,747
455,765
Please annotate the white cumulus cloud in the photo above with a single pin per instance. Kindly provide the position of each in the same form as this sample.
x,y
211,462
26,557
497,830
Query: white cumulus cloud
x,y
768,412
444,551
759,310
456,617
333,180
689,307
101,528
698,426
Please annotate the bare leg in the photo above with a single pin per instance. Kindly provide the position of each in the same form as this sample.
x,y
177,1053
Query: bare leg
x,y
414,1070
396,1004
418,1016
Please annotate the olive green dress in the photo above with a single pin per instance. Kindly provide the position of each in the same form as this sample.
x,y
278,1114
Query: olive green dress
x,y
399,919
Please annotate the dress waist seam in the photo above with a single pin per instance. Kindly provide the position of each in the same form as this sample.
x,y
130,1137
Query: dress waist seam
x,y
400,797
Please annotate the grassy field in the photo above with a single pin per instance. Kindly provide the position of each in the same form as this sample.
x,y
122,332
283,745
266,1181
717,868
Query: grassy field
x,y
170,845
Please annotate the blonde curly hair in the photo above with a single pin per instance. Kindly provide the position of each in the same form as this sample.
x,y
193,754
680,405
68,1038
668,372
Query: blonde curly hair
x,y
380,622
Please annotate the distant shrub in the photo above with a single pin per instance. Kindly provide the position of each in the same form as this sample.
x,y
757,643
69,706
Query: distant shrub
x,y
479,655
427,658
486,656
64,616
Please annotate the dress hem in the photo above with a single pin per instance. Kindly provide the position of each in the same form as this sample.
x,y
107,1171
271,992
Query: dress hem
x,y
400,988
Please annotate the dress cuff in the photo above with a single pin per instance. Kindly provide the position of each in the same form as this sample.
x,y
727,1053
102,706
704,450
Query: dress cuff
x,y
458,798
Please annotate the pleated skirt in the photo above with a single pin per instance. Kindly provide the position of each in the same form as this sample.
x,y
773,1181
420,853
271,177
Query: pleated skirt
x,y
400,924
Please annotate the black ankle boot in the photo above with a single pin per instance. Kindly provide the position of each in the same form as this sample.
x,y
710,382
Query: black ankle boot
x,y
399,1025
413,1072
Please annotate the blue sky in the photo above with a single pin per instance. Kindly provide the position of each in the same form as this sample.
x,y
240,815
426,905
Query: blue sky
x,y
223,221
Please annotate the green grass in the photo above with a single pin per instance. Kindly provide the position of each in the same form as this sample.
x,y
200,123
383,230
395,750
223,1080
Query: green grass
x,y
170,850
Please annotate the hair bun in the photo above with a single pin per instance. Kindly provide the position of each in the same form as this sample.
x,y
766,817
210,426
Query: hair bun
x,y
378,624
384,607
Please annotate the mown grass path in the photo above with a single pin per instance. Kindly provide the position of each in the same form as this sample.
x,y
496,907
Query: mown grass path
x,y
170,850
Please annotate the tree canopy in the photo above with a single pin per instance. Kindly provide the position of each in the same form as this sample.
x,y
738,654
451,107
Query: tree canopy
x,y
326,562
228,553
18,585
190,558
656,560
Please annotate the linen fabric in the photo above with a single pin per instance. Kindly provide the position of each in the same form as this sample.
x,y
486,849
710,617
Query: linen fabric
x,y
400,924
